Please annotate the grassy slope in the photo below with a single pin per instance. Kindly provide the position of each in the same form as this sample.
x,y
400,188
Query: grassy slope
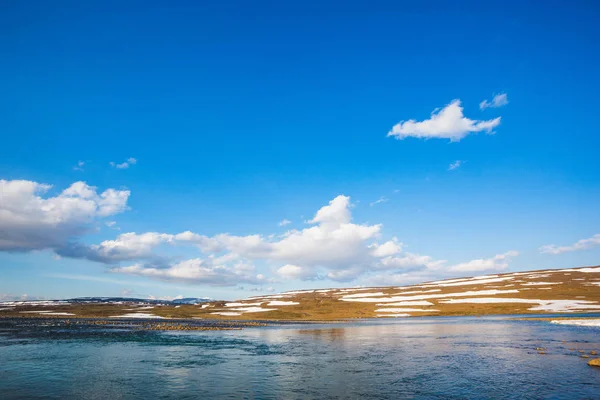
x,y
319,306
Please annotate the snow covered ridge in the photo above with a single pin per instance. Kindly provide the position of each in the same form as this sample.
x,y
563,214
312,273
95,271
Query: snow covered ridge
x,y
389,299
519,288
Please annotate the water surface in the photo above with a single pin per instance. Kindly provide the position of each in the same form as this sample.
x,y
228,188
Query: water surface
x,y
416,358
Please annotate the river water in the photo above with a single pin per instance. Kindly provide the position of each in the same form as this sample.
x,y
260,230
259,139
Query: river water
x,y
414,358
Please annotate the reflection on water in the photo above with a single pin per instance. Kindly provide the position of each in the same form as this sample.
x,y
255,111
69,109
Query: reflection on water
x,y
444,358
329,334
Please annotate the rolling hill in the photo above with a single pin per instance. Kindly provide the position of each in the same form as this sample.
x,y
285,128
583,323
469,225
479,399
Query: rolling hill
x,y
574,290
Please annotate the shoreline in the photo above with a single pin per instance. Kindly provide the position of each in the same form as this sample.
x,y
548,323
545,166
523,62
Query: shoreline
x,y
274,322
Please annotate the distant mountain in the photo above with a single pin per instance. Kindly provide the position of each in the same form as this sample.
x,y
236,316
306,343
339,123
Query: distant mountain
x,y
116,300
192,300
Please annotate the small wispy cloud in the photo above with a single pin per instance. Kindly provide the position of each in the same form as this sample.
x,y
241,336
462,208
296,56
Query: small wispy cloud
x,y
164,298
23,297
582,244
382,199
456,164
257,289
112,225
79,166
446,123
91,278
499,100
284,222
127,292
125,164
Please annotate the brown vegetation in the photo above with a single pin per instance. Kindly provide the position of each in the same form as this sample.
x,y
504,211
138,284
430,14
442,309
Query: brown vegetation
x,y
571,285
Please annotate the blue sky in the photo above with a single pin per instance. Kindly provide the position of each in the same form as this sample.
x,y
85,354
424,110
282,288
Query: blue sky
x,y
238,116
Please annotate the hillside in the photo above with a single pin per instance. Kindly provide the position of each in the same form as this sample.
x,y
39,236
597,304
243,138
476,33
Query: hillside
x,y
533,292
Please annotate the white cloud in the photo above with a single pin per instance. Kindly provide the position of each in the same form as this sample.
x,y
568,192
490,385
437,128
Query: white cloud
x,y
127,292
128,246
382,199
110,224
413,268
333,247
499,100
447,123
22,297
125,164
389,248
79,166
196,271
497,263
289,271
336,213
345,275
164,298
29,221
582,244
456,164
284,222
332,243
407,261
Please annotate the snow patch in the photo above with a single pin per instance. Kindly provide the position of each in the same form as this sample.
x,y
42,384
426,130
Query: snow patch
x,y
533,276
299,292
252,309
419,291
227,314
430,296
351,296
584,270
472,281
393,315
282,303
541,283
408,303
137,315
486,300
542,305
463,279
566,306
242,304
58,313
403,310
46,312
577,322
